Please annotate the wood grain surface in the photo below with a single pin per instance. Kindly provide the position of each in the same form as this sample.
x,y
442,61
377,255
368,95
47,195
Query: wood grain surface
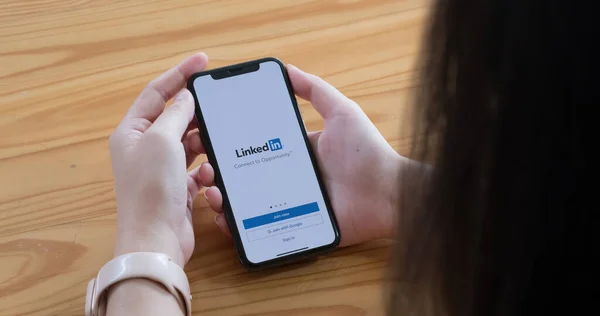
x,y
69,70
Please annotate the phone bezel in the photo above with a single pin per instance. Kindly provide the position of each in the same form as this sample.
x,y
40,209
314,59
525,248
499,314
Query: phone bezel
x,y
241,252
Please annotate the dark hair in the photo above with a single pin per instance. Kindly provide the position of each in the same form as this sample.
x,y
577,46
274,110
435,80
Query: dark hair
x,y
502,223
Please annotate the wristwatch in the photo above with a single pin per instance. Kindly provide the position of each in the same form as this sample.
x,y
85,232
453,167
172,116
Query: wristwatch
x,y
157,267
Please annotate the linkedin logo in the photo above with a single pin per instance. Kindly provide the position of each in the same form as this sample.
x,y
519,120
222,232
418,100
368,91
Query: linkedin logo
x,y
275,144
271,145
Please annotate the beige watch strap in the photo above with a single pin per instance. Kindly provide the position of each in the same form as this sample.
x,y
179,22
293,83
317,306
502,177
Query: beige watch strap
x,y
157,267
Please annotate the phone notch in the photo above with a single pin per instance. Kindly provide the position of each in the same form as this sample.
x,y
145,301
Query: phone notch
x,y
235,71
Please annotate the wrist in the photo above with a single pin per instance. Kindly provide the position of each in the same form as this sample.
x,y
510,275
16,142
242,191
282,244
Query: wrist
x,y
411,177
149,239
141,297
393,171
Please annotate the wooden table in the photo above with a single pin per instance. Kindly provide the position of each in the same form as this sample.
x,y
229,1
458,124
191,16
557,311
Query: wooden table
x,y
70,69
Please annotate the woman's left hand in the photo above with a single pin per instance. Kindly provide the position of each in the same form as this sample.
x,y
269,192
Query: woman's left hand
x,y
151,150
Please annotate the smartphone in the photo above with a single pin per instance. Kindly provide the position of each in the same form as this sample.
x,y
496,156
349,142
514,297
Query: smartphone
x,y
274,199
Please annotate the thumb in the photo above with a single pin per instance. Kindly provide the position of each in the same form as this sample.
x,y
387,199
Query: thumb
x,y
326,99
175,119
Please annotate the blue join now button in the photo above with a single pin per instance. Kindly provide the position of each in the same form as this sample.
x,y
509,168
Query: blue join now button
x,y
281,215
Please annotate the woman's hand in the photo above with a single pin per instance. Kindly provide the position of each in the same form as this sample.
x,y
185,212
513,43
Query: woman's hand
x,y
151,150
359,167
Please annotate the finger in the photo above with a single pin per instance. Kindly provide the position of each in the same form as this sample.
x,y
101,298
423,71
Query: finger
x,y
174,121
193,146
193,182
151,101
192,126
214,198
193,187
326,99
313,137
221,222
206,174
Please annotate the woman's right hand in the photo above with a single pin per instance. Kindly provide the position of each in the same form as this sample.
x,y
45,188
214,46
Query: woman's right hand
x,y
359,167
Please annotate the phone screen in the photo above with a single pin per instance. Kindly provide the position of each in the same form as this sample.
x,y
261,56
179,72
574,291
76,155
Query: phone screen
x,y
269,178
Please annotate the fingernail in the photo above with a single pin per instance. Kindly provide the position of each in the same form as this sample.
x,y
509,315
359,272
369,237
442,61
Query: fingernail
x,y
188,214
183,94
216,222
190,201
206,198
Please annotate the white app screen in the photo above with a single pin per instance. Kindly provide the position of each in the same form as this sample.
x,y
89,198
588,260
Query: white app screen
x,y
267,172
